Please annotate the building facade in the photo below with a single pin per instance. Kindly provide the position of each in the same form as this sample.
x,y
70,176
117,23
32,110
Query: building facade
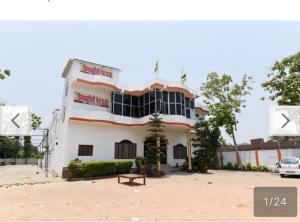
x,y
101,119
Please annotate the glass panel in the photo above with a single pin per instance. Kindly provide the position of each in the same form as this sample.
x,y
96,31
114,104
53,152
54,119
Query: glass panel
x,y
126,110
182,98
142,100
152,107
117,109
127,99
142,113
177,97
152,96
136,112
187,113
157,94
192,104
146,98
178,109
172,109
172,97
135,100
166,108
187,102
146,109
118,98
182,110
165,97
158,106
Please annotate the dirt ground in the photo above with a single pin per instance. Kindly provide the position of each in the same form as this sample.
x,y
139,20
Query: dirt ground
x,y
218,195
19,174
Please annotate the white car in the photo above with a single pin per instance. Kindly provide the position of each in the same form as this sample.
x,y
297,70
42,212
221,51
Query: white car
x,y
289,166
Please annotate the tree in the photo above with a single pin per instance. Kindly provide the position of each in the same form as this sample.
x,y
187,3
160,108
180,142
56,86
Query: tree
x,y
28,148
36,121
155,138
224,100
7,147
4,73
284,81
205,142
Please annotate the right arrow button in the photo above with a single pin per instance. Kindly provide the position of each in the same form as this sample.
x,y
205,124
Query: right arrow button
x,y
287,120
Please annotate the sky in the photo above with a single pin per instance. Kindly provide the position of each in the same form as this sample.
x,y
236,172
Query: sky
x,y
36,53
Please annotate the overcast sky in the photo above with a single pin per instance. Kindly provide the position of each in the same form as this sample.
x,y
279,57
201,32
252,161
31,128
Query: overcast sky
x,y
36,53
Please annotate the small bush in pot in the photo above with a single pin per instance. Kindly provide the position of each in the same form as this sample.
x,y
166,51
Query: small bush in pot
x,y
139,160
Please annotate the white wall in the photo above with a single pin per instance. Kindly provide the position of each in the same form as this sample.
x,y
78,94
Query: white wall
x,y
266,157
19,160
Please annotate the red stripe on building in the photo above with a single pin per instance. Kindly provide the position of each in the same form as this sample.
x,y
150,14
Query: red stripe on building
x,y
127,124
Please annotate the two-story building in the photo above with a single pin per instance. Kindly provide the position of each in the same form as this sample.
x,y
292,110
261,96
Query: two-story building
x,y
101,119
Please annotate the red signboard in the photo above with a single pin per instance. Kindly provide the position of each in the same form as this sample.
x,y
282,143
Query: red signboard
x,y
90,99
93,70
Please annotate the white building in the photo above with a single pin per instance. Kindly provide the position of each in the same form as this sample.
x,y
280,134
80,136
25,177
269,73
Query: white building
x,y
101,119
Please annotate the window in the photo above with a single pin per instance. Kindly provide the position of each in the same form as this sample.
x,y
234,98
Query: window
x,y
118,98
135,101
170,103
157,95
127,99
85,150
172,97
188,113
178,99
117,108
125,150
142,101
152,96
126,110
187,102
152,107
172,109
146,98
178,109
192,104
179,152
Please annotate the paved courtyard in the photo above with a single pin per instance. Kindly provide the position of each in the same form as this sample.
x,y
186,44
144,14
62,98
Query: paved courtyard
x,y
218,195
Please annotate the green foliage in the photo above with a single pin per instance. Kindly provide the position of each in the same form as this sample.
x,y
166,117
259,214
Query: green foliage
x,y
99,168
36,121
155,133
205,143
224,100
228,166
123,166
21,153
4,73
247,167
140,160
284,81
7,147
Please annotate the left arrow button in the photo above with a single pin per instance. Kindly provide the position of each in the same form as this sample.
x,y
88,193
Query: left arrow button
x,y
13,120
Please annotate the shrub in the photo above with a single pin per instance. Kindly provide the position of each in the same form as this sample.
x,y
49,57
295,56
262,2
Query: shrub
x,y
123,166
228,166
74,166
99,168
237,167
139,160
248,167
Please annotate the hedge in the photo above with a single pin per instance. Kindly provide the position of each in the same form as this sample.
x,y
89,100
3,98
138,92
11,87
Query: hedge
x,y
99,168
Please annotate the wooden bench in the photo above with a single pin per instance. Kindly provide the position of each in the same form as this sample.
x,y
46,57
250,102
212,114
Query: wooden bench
x,y
132,177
